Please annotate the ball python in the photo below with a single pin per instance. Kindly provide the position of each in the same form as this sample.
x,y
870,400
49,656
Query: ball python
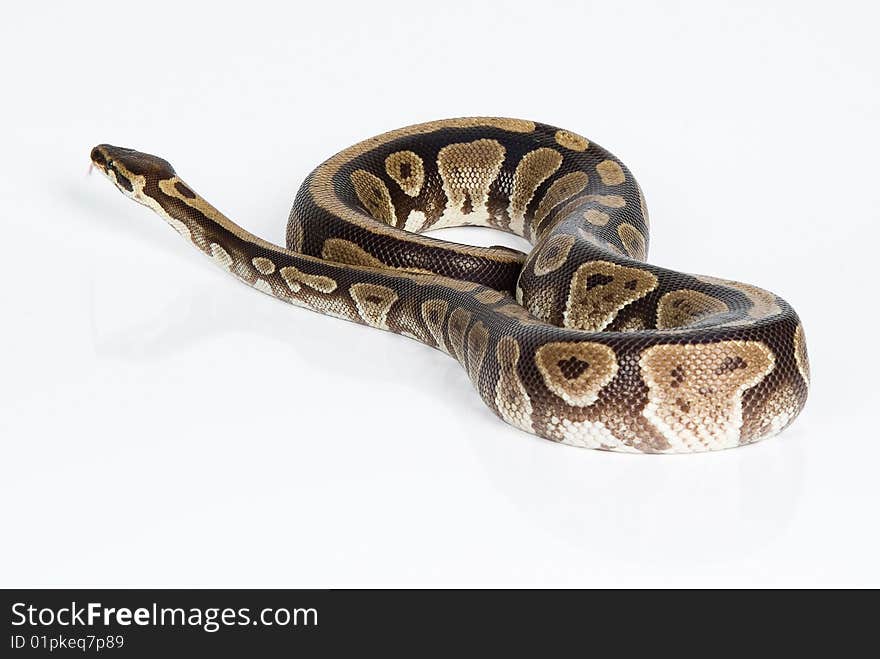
x,y
580,341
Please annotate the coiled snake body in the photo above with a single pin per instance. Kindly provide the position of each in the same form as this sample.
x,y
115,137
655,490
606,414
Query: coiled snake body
x,y
579,342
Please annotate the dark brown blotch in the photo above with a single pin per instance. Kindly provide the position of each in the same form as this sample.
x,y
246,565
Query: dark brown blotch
x,y
185,191
572,368
597,279
468,206
120,179
730,364
677,374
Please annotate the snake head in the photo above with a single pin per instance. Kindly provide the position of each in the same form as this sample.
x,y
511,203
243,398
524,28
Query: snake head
x,y
131,171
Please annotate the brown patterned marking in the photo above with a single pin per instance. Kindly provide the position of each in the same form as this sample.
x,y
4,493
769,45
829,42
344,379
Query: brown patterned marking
x,y
610,172
221,256
695,390
775,411
597,217
518,313
373,303
415,221
644,207
600,289
576,372
457,327
763,303
542,303
511,397
407,169
332,306
553,254
296,279
632,324
562,189
345,251
467,169
571,140
489,296
323,192
373,194
416,330
169,187
178,226
607,200
513,125
578,203
586,434
633,241
184,190
566,210
800,353
295,233
614,249
534,168
263,286
686,307
477,342
263,265
434,315
424,278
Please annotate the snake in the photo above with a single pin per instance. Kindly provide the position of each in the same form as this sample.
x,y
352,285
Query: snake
x,y
580,341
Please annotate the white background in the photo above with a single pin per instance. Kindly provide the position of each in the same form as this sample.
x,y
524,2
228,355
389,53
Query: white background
x,y
163,424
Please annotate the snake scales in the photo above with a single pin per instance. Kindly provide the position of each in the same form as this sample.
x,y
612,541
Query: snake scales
x,y
579,342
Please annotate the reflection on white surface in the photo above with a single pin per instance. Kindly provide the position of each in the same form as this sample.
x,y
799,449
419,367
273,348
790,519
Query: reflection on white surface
x,y
660,511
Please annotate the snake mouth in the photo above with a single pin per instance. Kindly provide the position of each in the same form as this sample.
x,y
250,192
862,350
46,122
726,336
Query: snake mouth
x,y
99,157
106,159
